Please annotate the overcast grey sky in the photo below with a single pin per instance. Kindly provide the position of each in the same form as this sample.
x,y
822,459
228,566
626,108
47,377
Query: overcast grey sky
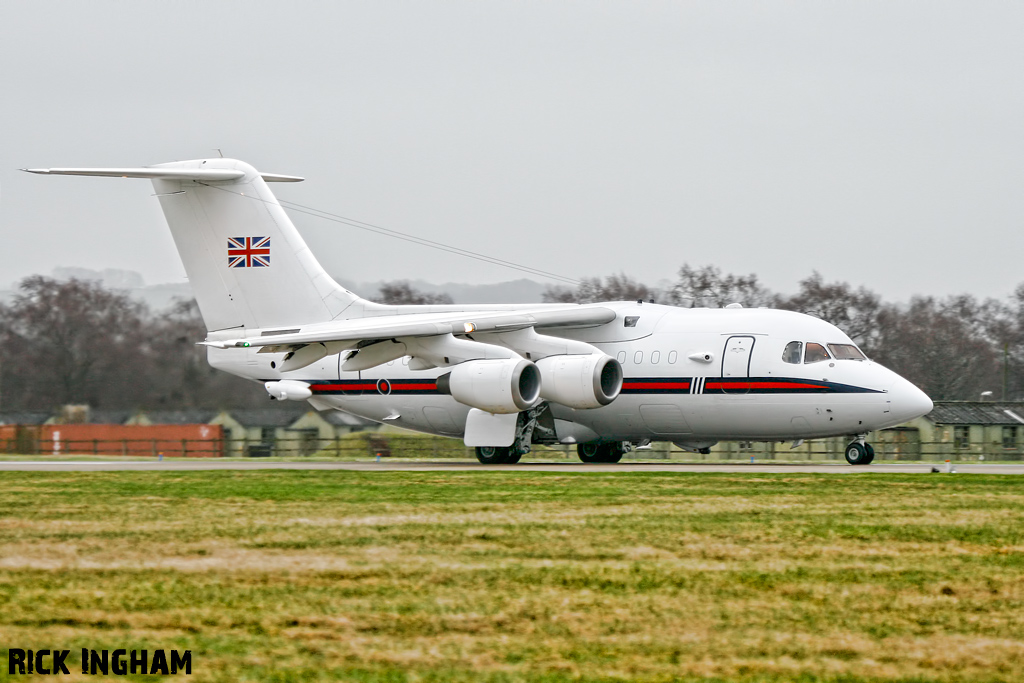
x,y
879,143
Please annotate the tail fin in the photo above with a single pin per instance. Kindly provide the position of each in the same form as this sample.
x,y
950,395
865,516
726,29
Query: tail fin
x,y
247,264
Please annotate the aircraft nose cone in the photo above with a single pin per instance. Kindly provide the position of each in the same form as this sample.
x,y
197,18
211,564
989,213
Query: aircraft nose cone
x,y
909,402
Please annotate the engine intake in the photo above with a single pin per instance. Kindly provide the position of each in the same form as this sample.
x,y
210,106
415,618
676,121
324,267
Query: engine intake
x,y
500,386
580,381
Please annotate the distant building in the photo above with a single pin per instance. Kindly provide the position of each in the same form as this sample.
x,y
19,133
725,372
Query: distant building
x,y
969,430
284,430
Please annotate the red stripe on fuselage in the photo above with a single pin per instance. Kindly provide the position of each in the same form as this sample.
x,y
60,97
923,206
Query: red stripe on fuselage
x,y
655,385
762,385
344,387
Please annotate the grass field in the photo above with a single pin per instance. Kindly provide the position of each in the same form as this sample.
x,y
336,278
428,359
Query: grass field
x,y
515,576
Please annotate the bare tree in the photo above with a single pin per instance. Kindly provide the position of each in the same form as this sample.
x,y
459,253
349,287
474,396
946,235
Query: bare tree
x,y
619,287
938,345
400,292
179,375
707,287
69,342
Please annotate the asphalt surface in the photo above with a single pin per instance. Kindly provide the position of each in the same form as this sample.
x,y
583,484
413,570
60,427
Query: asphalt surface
x,y
209,464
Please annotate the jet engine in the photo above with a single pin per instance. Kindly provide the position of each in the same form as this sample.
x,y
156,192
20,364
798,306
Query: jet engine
x,y
506,385
580,381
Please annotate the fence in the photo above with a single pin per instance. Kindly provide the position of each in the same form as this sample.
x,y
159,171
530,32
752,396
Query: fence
x,y
890,446
191,448
101,439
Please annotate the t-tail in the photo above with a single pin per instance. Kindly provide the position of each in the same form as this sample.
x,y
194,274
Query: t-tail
x,y
246,262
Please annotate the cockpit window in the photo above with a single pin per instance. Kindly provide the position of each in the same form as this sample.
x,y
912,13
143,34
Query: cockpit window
x,y
793,352
815,353
846,352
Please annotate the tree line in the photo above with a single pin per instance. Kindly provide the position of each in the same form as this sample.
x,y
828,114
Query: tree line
x,y
75,342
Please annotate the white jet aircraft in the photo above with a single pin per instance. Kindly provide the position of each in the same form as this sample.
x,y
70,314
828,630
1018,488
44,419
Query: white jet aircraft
x,y
606,376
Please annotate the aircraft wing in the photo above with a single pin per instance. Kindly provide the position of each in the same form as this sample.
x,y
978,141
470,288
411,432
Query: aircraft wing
x,y
424,325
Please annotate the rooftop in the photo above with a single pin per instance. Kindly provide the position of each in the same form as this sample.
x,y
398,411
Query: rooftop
x,y
977,413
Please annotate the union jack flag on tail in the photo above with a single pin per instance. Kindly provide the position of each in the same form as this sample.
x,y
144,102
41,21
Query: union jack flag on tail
x,y
248,252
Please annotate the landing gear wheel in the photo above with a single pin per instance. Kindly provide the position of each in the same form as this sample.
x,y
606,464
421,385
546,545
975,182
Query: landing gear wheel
x,y
493,455
600,452
870,453
513,457
613,453
589,452
857,454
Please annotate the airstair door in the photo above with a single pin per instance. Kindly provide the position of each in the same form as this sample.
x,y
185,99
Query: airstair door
x,y
736,364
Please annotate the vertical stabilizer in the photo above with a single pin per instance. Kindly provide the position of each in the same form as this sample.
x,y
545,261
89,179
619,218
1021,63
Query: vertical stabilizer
x,y
247,264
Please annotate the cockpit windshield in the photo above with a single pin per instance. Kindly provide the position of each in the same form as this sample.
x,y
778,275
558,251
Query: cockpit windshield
x,y
812,352
846,352
815,353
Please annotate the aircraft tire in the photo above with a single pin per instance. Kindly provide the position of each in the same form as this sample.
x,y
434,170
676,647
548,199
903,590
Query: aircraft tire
x,y
612,453
589,452
857,454
493,455
513,457
870,453
606,453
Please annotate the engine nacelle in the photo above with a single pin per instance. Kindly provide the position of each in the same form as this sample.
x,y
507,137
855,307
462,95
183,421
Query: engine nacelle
x,y
501,386
580,381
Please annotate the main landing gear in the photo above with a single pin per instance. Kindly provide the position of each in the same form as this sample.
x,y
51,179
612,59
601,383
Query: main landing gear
x,y
527,423
859,452
603,452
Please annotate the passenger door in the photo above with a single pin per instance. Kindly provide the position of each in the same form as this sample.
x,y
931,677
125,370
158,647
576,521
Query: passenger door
x,y
736,363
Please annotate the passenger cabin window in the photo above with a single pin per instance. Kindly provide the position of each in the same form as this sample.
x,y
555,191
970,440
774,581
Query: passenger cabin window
x,y
638,357
793,353
630,320
672,355
621,356
655,357
815,353
846,352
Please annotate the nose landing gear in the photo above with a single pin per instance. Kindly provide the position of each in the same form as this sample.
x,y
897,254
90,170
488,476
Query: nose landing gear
x,y
859,452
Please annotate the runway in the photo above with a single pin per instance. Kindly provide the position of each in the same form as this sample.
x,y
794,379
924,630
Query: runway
x,y
238,464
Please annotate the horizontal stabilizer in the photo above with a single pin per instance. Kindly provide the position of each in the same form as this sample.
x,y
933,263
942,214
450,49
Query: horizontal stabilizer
x,y
211,174
162,173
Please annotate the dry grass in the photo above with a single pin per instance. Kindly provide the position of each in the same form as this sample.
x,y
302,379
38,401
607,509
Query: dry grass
x,y
510,576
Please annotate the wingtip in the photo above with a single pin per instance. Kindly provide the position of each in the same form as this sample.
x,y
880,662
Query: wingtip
x,y
35,170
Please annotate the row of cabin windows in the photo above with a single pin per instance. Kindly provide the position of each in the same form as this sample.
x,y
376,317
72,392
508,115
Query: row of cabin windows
x,y
815,353
638,357
962,437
